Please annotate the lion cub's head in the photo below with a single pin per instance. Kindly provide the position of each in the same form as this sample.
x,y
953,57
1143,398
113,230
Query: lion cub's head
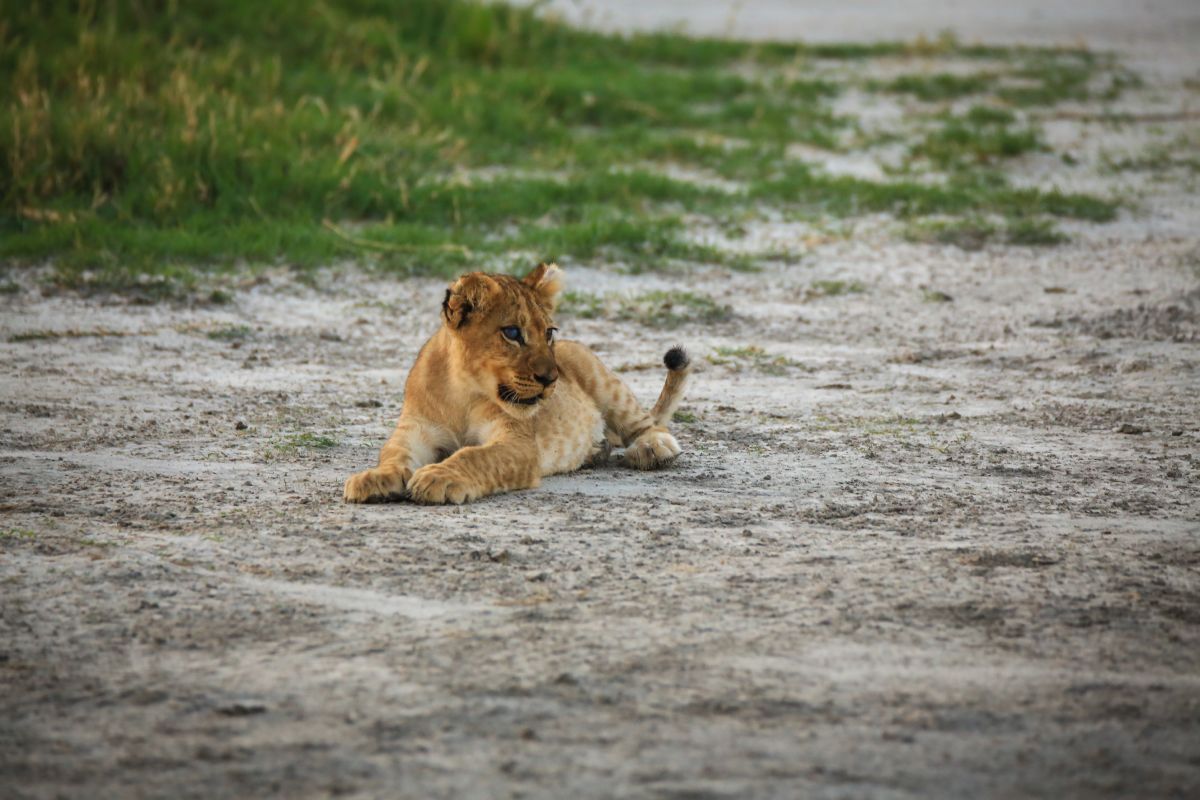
x,y
506,333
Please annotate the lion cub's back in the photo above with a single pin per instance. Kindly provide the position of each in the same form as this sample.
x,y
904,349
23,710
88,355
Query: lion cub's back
x,y
569,429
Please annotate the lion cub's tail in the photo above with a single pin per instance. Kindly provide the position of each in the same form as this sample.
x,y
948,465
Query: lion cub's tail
x,y
679,366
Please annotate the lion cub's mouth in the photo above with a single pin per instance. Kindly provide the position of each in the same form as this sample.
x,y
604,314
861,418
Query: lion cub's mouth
x,y
509,395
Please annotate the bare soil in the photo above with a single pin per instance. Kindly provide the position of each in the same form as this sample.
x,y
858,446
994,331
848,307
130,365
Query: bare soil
x,y
939,537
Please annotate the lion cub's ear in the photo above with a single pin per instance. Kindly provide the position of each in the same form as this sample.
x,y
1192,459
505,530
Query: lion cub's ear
x,y
546,281
465,296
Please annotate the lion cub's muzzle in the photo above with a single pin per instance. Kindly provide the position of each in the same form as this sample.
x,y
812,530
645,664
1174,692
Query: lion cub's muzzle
x,y
528,389
525,394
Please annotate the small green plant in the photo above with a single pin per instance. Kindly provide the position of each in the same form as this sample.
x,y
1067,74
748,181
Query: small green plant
x,y
683,417
1033,233
34,336
311,440
833,288
671,309
972,233
300,443
230,333
895,425
37,336
581,304
753,357
17,534
657,309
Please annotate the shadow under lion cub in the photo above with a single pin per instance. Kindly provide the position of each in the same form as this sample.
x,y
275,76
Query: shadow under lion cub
x,y
495,401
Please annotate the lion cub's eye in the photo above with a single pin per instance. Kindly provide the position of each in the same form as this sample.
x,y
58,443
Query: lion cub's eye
x,y
551,334
512,333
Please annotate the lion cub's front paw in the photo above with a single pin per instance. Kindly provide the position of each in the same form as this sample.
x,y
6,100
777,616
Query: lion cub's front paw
x,y
437,483
652,450
377,485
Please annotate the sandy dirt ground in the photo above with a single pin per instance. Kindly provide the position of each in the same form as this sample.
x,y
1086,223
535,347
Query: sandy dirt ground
x,y
940,537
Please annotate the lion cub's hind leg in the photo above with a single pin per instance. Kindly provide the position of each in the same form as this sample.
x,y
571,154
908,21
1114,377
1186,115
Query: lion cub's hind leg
x,y
655,447
648,444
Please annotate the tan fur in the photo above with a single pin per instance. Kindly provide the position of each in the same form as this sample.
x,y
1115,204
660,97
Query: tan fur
x,y
463,432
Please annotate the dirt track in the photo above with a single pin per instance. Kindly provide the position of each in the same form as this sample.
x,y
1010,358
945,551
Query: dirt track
x,y
915,549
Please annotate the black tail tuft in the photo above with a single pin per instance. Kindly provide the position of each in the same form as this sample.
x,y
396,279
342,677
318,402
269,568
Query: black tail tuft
x,y
676,359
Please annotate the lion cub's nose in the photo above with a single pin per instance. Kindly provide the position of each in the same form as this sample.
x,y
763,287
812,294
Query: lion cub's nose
x,y
548,378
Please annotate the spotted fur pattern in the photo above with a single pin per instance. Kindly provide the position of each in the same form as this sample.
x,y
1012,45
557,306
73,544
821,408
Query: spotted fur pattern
x,y
494,401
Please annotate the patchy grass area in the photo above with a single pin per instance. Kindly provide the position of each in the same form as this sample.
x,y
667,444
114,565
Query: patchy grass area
x,y
972,233
71,333
1181,154
299,444
939,86
1025,78
230,333
832,288
657,309
1033,233
980,137
752,357
143,141
17,534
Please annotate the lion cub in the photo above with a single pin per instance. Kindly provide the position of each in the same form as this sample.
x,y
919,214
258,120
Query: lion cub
x,y
494,401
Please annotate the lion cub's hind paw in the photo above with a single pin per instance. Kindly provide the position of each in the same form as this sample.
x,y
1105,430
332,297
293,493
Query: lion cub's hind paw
x,y
377,485
652,450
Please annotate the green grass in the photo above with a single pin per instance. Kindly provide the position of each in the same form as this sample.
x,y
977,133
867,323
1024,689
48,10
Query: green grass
x,y
1179,155
972,233
88,541
799,188
34,336
753,357
295,445
1033,233
72,333
1047,78
230,333
1027,77
942,85
657,309
671,309
831,288
149,146
308,441
981,136
17,534
583,305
